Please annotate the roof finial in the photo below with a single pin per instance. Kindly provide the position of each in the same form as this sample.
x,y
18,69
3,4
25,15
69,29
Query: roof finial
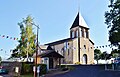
x,y
78,6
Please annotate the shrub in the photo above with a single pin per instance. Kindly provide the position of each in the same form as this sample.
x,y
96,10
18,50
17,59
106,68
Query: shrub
x,y
78,63
43,68
27,68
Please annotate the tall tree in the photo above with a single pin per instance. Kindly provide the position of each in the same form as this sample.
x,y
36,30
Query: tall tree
x,y
0,59
97,54
26,46
105,56
113,21
115,53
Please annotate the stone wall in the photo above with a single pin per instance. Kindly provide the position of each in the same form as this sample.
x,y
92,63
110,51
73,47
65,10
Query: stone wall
x,y
12,67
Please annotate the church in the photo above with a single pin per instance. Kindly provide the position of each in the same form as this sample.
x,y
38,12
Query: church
x,y
78,48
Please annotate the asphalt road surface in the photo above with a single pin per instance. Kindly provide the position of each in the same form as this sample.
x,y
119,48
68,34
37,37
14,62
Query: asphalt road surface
x,y
5,76
90,71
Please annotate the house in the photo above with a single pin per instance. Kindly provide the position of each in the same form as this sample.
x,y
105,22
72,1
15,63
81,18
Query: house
x,y
78,47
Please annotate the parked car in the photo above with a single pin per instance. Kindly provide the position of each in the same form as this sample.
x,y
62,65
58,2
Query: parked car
x,y
3,70
117,60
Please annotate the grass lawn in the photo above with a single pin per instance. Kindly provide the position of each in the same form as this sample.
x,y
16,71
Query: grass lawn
x,y
30,75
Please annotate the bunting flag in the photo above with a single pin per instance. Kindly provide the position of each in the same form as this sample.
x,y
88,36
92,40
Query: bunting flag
x,y
3,36
22,39
1,49
106,45
103,46
14,38
8,37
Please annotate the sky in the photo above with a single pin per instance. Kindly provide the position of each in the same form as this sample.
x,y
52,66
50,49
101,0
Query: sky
x,y
54,17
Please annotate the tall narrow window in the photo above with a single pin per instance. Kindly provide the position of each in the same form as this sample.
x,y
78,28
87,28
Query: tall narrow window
x,y
84,47
87,34
77,33
82,32
68,52
73,34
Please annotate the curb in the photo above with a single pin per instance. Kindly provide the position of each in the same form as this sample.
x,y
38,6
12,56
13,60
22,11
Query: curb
x,y
57,73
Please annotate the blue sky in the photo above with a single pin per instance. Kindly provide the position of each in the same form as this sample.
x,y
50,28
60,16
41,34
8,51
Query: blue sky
x,y
55,18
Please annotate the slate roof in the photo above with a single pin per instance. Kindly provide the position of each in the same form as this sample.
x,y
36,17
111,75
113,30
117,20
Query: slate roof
x,y
79,21
59,42
91,41
51,53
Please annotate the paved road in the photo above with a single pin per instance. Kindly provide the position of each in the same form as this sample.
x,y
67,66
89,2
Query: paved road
x,y
5,76
90,71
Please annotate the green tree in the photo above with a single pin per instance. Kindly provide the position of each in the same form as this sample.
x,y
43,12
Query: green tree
x,y
0,59
115,53
113,21
26,46
105,56
97,54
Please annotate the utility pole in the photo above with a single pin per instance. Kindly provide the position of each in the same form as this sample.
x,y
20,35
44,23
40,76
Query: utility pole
x,y
36,50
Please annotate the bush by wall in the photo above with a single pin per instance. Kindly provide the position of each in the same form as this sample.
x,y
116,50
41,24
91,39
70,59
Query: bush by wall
x,y
27,68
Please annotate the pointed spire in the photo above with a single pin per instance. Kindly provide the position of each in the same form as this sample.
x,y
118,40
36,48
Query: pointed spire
x,y
79,21
76,21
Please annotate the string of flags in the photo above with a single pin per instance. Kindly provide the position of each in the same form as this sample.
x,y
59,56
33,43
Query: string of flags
x,y
13,38
104,46
4,50
8,37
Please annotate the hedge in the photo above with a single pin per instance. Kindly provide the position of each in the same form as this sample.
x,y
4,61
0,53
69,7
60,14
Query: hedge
x,y
27,68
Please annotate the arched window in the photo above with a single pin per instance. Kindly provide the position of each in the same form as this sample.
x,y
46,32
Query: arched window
x,y
84,48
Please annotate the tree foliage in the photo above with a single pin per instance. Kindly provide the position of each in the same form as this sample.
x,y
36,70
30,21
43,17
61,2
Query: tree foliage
x,y
113,21
26,46
105,56
0,58
115,53
97,54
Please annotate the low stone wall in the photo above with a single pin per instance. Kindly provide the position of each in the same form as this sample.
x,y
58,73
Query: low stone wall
x,y
14,68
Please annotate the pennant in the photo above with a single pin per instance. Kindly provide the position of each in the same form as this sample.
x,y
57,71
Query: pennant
x,y
22,39
10,37
112,49
7,37
1,50
106,45
3,36
14,38
34,40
